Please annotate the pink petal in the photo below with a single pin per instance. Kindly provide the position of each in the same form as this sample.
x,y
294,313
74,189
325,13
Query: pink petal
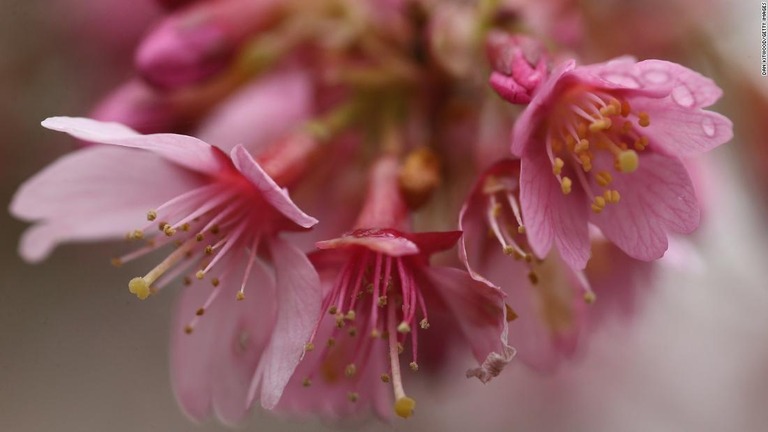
x,y
549,216
395,246
94,193
656,198
626,74
298,308
479,312
182,150
276,196
260,113
689,87
211,368
681,131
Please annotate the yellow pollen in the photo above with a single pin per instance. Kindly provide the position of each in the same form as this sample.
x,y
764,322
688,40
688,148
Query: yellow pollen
x,y
403,327
598,204
185,227
385,378
643,119
590,297
628,161
200,274
332,310
414,366
215,282
139,287
188,329
586,162
521,229
309,346
382,301
625,108
350,315
583,145
641,143
240,296
600,125
424,324
307,382
612,196
200,312
375,334
565,185
404,407
199,237
603,178
151,215
557,168
353,397
609,110
136,235
169,230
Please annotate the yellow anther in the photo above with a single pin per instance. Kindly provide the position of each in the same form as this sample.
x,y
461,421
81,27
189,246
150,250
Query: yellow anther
x,y
643,119
600,125
557,167
307,382
403,327
414,366
641,143
352,331
570,142
424,324
404,407
200,274
626,127
332,310
521,229
135,235
382,301
375,334
330,342
603,178
589,297
353,397
583,145
187,281
139,287
625,108
215,282
240,296
628,161
309,346
185,227
169,230
199,237
350,370
612,196
200,312
188,329
117,262
385,378
598,204
350,315
565,185
586,162
511,314
151,215
609,110
400,348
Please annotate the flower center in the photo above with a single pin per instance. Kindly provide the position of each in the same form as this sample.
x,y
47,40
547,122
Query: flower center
x,y
375,299
589,123
204,225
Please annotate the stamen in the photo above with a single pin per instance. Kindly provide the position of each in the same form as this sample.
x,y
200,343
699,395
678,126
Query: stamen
x,y
404,405
643,119
140,286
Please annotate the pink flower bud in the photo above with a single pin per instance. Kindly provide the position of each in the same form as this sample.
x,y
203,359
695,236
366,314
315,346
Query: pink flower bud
x,y
200,41
136,105
519,64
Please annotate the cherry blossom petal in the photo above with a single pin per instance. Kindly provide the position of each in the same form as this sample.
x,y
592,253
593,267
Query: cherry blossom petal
x,y
656,198
549,216
94,194
681,131
186,151
298,302
275,195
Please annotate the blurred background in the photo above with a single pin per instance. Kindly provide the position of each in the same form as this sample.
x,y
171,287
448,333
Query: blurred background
x,y
77,353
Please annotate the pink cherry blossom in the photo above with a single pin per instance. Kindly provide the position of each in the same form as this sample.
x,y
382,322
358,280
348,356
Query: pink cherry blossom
x,y
379,292
551,301
223,214
519,66
602,144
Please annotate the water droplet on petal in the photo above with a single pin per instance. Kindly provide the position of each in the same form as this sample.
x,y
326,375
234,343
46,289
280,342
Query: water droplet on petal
x,y
708,126
683,96
656,76
622,80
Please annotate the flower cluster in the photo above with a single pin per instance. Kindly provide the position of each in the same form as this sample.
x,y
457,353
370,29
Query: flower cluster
x,y
336,142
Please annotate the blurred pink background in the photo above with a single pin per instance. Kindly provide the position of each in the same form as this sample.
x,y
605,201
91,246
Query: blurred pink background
x,y
78,353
